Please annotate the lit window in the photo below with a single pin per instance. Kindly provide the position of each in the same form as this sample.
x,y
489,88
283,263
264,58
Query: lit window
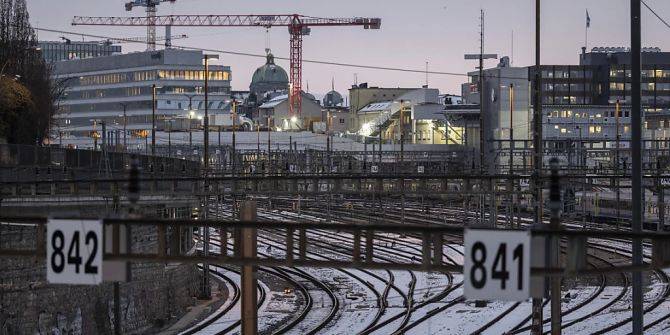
x,y
563,130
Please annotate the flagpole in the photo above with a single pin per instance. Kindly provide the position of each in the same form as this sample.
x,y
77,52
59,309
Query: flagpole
x,y
586,31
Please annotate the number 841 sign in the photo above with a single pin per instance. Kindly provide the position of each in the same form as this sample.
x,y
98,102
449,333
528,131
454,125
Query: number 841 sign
x,y
497,264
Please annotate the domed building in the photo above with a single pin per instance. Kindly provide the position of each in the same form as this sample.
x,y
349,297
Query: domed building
x,y
332,99
268,78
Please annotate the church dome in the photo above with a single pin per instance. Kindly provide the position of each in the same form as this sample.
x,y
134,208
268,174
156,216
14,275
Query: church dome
x,y
269,77
332,99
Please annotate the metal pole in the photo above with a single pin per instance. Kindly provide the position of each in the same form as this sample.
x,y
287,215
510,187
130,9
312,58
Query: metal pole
x,y
249,282
402,134
234,145
125,124
206,119
660,198
206,290
636,149
268,135
153,120
402,161
170,139
616,165
190,131
555,206
511,152
536,324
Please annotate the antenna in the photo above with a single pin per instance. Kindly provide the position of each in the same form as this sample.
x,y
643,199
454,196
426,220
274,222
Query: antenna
x,y
512,61
426,73
481,39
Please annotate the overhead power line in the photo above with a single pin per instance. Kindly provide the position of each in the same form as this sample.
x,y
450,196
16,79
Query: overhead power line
x,y
655,14
237,53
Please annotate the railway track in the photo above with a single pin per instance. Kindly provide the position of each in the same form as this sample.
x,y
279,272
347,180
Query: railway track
x,y
417,213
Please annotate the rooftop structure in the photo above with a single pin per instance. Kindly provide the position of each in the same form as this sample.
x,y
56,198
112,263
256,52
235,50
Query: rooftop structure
x,y
54,51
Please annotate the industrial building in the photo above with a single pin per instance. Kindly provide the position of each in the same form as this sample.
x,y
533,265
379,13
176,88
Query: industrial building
x,y
410,115
579,102
119,89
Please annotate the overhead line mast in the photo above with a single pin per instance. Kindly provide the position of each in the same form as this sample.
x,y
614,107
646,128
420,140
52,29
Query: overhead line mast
x,y
298,26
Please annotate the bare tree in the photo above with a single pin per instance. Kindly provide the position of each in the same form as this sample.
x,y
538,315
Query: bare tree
x,y
21,60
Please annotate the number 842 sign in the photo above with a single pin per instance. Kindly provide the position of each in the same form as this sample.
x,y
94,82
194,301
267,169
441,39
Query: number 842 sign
x,y
497,264
74,252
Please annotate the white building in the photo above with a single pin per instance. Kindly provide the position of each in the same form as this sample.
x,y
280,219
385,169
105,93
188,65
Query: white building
x,y
103,88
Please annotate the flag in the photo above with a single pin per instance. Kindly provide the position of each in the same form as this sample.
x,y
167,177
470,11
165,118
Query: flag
x,y
588,19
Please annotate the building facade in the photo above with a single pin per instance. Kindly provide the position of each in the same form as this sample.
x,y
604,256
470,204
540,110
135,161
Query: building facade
x,y
54,51
582,99
118,90
395,115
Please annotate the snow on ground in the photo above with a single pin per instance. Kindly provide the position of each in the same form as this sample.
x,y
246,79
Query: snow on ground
x,y
455,251
236,279
248,140
429,284
617,312
357,301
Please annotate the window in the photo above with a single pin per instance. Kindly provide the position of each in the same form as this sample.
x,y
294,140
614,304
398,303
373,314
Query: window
x,y
341,120
626,129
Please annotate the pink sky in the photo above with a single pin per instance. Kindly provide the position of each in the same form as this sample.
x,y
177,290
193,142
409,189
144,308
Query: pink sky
x,y
413,32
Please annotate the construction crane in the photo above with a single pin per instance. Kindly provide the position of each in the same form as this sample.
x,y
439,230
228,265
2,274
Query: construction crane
x,y
150,6
298,26
168,40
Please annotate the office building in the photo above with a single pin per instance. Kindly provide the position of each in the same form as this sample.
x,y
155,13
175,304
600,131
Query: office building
x,y
103,89
54,51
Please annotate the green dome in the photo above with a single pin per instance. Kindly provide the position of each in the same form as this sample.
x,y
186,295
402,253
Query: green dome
x,y
269,77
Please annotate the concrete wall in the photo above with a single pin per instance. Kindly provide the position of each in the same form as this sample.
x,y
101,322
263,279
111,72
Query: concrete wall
x,y
157,294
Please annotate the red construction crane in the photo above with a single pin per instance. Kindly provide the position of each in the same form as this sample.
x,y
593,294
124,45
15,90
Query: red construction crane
x,y
298,26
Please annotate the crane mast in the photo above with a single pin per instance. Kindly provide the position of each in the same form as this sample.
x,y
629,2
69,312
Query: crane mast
x,y
150,6
298,26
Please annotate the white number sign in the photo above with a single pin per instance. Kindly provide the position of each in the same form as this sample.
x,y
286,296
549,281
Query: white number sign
x,y
497,264
665,181
374,168
524,182
74,252
420,169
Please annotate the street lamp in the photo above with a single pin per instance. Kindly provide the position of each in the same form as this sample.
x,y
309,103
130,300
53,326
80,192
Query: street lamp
x,y
207,57
205,278
190,116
